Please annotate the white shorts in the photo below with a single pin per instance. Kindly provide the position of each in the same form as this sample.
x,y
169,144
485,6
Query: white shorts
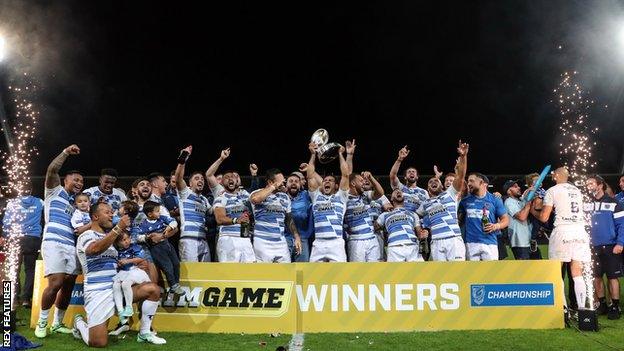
x,y
59,258
569,243
99,306
481,252
271,251
332,250
364,250
135,275
235,249
448,249
194,250
404,253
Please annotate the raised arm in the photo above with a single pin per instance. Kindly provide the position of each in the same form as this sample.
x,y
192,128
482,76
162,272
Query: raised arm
x,y
179,172
344,170
350,146
394,171
210,172
52,174
314,179
255,182
462,165
378,190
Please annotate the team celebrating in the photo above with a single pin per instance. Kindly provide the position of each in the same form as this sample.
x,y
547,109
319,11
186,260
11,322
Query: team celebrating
x,y
122,242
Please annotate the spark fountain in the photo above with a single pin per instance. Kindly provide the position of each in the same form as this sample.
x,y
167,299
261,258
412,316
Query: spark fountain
x,y
576,153
19,137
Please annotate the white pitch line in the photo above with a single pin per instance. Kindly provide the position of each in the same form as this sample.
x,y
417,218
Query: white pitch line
x,y
296,342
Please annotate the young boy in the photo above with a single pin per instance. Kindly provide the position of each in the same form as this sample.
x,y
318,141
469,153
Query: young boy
x,y
157,229
81,221
130,256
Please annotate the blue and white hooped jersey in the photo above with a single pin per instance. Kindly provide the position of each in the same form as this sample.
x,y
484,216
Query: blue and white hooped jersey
x,y
58,211
358,221
376,206
80,218
414,197
114,199
329,211
98,270
193,211
400,224
439,215
234,205
270,215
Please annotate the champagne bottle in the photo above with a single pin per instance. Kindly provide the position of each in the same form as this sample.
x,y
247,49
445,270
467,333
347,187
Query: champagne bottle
x,y
485,219
245,231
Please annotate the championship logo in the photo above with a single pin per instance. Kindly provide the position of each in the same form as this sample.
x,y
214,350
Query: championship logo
x,y
478,294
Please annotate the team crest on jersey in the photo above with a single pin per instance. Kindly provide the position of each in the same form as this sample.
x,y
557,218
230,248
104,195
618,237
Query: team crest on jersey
x,y
478,294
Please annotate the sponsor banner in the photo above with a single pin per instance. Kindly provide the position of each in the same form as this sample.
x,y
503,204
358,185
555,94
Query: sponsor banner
x,y
354,297
512,295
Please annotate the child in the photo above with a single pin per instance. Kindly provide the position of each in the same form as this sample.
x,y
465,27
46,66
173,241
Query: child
x,y
157,229
81,221
129,257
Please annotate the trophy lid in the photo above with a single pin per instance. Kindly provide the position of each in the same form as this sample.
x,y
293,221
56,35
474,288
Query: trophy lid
x,y
320,137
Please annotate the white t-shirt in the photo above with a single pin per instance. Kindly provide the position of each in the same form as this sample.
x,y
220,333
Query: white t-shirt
x,y
567,201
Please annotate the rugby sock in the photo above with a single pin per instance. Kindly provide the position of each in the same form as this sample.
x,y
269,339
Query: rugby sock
x,y
149,310
82,327
127,292
118,296
59,314
43,316
615,302
580,291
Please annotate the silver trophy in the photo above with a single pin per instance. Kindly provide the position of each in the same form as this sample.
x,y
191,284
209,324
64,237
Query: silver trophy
x,y
326,151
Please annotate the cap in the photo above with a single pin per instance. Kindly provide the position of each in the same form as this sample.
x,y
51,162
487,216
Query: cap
x,y
298,174
509,184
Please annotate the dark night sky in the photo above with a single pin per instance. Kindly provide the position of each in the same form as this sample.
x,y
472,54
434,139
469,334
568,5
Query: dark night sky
x,y
132,82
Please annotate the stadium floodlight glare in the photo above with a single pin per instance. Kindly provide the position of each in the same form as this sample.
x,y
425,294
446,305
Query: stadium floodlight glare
x,y
620,36
2,47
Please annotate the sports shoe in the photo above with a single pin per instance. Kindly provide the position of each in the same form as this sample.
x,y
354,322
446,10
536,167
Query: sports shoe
x,y
41,330
75,331
614,312
120,328
602,309
127,312
151,338
60,328
176,289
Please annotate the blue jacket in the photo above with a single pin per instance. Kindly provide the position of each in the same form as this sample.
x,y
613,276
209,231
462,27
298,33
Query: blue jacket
x,y
301,210
607,216
26,211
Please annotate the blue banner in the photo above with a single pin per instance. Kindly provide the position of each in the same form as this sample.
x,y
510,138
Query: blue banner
x,y
538,294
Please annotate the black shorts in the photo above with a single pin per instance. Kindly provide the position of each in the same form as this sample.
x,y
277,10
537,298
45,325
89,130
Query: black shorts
x,y
606,262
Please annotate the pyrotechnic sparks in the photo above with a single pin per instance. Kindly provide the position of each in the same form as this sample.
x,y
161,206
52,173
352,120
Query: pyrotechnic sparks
x,y
576,150
19,132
